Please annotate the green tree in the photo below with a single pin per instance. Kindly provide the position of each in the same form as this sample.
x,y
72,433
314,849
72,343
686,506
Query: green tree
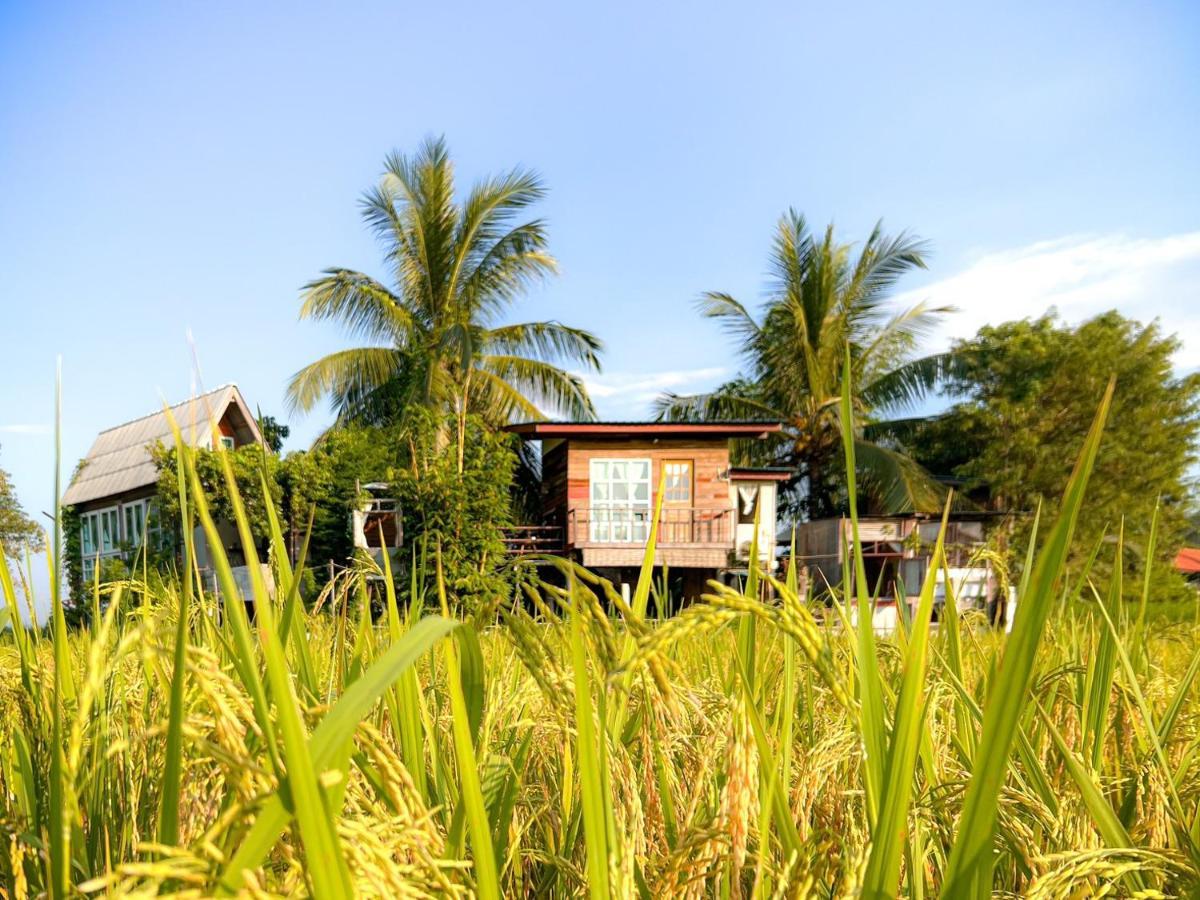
x,y
435,334
821,299
249,463
463,513
322,484
1026,392
17,530
274,432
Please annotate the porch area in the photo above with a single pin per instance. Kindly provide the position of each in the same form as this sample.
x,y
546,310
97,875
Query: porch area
x,y
688,537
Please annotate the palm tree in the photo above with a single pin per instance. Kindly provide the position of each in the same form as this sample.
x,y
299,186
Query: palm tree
x,y
435,335
822,299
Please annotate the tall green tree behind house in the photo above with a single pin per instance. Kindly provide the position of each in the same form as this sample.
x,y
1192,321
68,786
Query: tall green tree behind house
x,y
249,464
17,530
823,297
459,513
274,432
323,484
1026,391
434,327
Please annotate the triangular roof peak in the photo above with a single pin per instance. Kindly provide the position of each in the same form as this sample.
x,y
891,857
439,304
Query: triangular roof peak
x,y
120,460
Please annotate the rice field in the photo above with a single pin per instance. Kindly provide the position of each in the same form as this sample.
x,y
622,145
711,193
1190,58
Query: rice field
x,y
564,742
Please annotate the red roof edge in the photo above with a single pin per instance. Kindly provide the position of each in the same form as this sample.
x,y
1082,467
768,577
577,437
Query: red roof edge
x,y
1188,560
539,430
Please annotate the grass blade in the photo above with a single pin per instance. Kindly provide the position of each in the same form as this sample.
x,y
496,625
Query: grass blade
x,y
969,870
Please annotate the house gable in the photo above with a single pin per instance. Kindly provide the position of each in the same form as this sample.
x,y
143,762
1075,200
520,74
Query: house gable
x,y
120,462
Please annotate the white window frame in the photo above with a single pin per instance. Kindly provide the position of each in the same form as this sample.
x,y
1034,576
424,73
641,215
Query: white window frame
x,y
226,442
133,519
151,525
92,547
92,541
620,504
110,516
89,538
676,481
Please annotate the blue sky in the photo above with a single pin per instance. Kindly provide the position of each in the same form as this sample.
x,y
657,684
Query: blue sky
x,y
166,167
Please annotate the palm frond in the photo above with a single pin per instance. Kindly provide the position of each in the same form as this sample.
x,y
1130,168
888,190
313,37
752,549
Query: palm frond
x,y
897,483
500,403
486,216
510,266
549,387
726,403
906,385
367,309
423,185
347,377
548,341
881,263
892,432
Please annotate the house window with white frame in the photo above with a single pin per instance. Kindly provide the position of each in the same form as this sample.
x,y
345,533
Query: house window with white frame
x,y
110,530
135,523
99,537
620,500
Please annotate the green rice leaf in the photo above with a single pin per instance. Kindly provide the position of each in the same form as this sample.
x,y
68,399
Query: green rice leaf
x,y
969,869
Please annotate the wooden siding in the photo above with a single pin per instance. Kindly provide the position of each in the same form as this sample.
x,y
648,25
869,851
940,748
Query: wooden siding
x,y
566,485
677,557
710,460
554,483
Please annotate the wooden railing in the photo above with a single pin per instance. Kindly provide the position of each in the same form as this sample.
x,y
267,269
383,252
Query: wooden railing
x,y
526,540
631,525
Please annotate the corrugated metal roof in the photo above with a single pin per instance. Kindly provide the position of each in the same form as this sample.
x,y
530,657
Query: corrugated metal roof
x,y
713,429
120,459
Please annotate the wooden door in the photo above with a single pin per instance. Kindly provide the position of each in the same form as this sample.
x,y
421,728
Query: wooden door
x,y
678,495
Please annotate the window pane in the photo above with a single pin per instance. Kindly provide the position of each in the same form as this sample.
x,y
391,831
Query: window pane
x,y
614,485
678,476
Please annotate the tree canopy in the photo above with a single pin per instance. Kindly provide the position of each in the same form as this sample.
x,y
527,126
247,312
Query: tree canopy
x,y
274,432
1026,392
823,298
17,530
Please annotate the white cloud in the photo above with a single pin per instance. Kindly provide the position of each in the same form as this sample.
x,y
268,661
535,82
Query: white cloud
x,y
630,395
1081,276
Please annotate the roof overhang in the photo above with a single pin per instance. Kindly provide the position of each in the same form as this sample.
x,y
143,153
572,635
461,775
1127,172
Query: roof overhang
x,y
537,431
